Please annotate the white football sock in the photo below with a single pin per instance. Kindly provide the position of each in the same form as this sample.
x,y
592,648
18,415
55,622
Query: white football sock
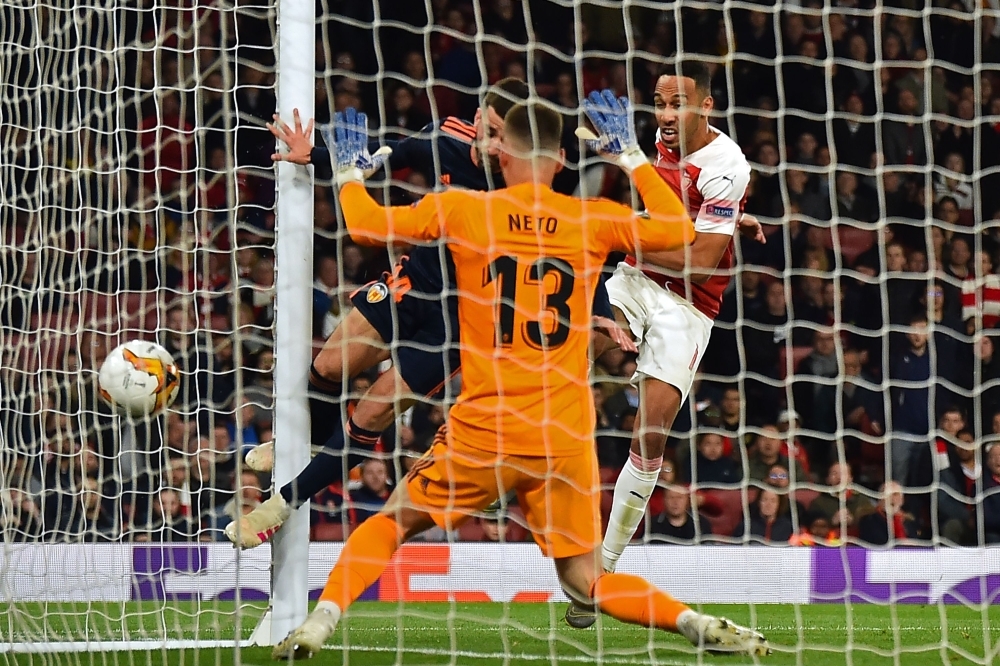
x,y
632,491
329,611
688,626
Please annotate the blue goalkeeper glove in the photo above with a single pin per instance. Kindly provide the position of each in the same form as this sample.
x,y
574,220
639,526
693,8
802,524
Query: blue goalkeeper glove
x,y
613,118
347,140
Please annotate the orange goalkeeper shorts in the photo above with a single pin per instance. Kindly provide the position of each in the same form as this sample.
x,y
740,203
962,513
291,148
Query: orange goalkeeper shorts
x,y
560,496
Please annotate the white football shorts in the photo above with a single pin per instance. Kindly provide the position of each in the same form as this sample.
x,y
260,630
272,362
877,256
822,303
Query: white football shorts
x,y
671,333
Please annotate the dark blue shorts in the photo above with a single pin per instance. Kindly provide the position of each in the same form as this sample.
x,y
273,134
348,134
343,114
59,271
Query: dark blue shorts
x,y
422,331
602,304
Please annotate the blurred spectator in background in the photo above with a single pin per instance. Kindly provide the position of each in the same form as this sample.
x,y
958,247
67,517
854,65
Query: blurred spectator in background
x,y
842,506
767,453
910,404
710,465
677,523
888,523
374,491
770,519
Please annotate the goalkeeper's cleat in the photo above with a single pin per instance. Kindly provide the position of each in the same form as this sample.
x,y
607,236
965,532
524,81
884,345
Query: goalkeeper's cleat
x,y
259,525
261,458
580,617
719,635
308,639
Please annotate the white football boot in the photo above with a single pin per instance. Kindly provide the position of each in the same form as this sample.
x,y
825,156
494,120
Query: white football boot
x,y
309,638
259,525
261,458
717,634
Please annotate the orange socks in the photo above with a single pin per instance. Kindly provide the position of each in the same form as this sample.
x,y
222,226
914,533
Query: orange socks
x,y
631,599
364,558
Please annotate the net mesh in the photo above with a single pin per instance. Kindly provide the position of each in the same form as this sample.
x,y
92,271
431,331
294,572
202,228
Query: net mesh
x,y
855,347
137,204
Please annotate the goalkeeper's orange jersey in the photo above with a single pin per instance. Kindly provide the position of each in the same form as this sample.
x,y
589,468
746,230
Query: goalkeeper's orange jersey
x,y
527,262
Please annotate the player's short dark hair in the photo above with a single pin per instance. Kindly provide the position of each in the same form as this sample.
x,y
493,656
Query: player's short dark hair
x,y
695,70
537,125
505,93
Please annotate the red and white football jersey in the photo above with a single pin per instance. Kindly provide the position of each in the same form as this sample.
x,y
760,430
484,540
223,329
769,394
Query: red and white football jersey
x,y
712,181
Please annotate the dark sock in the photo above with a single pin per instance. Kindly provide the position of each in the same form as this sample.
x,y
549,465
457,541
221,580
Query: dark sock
x,y
320,384
324,408
327,467
360,442
324,469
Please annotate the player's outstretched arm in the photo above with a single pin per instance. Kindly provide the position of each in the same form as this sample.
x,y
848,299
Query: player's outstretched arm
x,y
367,221
666,225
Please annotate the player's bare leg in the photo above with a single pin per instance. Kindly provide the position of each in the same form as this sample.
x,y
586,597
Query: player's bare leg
x,y
631,599
364,558
659,403
353,347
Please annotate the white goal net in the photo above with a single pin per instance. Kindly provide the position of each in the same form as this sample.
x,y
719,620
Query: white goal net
x,y
831,480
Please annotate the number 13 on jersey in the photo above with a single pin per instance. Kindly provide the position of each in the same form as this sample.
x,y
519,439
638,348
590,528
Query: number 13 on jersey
x,y
552,279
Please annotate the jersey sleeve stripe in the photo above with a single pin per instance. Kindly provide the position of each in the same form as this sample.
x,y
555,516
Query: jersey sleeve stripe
x,y
458,130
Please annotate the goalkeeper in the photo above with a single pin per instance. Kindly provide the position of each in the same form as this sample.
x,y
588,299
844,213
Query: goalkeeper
x,y
523,256
405,308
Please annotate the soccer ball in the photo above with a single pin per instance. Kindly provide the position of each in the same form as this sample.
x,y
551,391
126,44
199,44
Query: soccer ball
x,y
139,378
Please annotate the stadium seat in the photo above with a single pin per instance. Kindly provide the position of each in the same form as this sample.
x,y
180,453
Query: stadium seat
x,y
729,505
334,531
854,242
471,530
517,526
805,496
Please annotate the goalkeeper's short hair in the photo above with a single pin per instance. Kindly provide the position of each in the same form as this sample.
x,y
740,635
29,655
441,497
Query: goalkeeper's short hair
x,y
535,126
504,94
696,70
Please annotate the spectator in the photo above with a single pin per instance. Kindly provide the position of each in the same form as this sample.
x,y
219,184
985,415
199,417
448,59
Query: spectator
x,y
730,409
770,520
677,523
853,134
888,523
956,495
710,466
854,201
99,524
910,402
404,114
494,530
767,454
952,182
843,506
991,489
815,392
981,296
903,140
169,523
374,491
808,202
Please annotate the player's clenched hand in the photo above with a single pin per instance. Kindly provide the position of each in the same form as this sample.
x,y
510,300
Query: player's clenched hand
x,y
298,140
612,117
621,337
750,227
347,139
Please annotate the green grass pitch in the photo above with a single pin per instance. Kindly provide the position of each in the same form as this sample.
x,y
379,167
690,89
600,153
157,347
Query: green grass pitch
x,y
442,633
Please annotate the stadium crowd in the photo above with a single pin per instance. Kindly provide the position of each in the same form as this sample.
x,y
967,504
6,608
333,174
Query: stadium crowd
x,y
851,387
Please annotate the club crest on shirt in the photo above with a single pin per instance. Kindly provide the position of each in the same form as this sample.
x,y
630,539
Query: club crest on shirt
x,y
377,292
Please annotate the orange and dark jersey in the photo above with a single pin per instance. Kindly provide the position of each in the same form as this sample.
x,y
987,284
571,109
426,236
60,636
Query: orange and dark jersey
x,y
442,152
527,263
